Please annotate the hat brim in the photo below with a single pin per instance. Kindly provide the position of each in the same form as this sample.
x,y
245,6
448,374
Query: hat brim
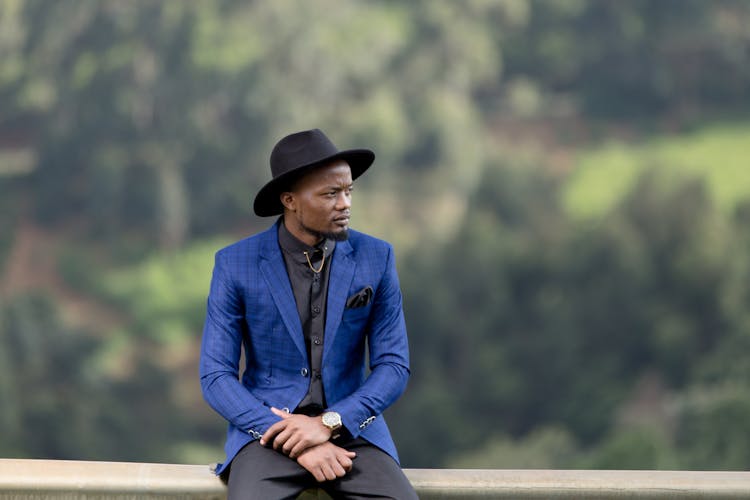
x,y
267,201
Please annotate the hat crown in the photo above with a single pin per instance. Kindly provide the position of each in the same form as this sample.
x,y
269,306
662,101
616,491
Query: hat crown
x,y
300,149
295,154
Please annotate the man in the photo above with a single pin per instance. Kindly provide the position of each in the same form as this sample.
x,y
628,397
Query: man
x,y
306,299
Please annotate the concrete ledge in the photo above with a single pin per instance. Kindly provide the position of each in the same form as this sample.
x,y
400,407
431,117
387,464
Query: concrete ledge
x,y
579,484
58,479
62,479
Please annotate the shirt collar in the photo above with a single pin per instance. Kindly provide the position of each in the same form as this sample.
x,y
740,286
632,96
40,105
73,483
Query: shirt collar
x,y
296,248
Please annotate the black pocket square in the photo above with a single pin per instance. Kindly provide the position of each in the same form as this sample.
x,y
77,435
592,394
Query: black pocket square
x,y
360,299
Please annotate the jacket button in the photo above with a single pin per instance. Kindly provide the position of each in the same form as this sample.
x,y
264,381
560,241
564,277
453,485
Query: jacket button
x,y
304,372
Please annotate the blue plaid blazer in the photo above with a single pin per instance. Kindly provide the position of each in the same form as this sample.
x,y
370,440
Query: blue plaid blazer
x,y
251,305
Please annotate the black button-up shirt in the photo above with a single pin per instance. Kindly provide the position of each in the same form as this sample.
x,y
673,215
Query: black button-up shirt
x,y
310,290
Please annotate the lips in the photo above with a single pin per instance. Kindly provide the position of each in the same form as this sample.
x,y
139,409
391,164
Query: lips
x,y
343,219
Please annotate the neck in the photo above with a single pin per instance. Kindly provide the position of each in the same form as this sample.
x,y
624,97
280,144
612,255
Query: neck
x,y
305,236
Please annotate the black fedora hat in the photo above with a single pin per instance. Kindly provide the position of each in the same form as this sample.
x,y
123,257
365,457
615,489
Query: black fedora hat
x,y
297,153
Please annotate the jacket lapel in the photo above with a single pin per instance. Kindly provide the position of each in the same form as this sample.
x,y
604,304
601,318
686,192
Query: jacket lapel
x,y
339,281
273,269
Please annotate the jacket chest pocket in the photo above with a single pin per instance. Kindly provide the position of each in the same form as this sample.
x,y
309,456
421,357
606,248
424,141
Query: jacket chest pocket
x,y
357,317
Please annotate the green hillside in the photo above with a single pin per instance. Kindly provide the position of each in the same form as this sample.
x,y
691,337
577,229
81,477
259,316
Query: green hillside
x,y
719,153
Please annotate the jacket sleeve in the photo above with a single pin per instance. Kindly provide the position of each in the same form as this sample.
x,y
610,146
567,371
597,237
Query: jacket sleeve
x,y
220,357
389,357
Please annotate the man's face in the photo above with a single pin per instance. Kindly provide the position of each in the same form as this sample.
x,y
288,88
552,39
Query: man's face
x,y
318,205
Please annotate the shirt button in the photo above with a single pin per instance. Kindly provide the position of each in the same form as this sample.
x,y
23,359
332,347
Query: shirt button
x,y
316,340
304,372
316,309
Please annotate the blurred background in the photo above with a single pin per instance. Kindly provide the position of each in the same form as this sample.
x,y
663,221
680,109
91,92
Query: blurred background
x,y
566,184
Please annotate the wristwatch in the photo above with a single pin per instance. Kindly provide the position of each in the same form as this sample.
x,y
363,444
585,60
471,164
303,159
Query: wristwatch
x,y
332,420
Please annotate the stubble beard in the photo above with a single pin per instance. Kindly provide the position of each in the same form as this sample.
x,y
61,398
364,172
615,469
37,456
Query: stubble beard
x,y
342,235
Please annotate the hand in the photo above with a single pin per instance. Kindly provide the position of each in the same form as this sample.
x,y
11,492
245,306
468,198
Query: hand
x,y
293,434
326,461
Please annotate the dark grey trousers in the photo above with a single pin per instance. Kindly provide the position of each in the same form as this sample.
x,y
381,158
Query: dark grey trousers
x,y
259,473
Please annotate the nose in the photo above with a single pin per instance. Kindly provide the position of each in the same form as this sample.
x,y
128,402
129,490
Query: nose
x,y
343,201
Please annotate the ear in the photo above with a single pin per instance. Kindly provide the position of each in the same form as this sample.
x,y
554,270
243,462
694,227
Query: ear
x,y
287,199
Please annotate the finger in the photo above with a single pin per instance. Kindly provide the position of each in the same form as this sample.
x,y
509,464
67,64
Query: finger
x,y
322,474
338,470
282,438
280,413
291,444
345,459
328,472
272,432
298,448
319,475
302,445
346,463
344,451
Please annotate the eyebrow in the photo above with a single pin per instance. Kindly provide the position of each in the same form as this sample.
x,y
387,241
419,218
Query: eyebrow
x,y
337,186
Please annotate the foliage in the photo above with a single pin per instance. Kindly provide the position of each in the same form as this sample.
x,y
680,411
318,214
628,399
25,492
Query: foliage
x,y
565,183
546,448
165,295
56,404
630,59
553,323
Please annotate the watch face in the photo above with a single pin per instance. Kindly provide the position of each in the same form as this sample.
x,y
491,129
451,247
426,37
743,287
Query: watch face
x,y
332,419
